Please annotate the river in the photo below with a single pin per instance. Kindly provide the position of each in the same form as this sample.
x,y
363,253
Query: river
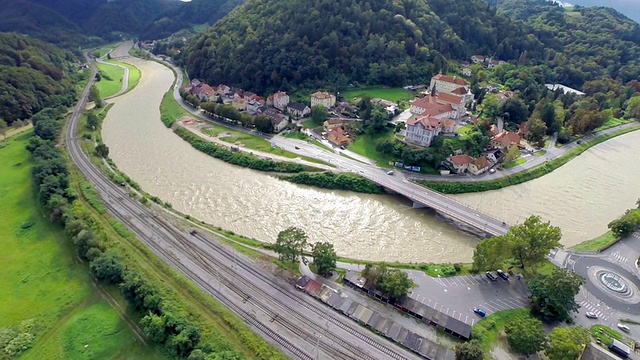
x,y
247,202
580,197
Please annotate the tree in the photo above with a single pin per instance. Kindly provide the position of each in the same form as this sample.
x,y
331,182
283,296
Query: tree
x,y
94,95
395,283
525,335
490,106
290,244
154,327
470,350
532,240
517,110
513,152
108,267
553,296
491,253
319,114
633,108
3,129
324,257
263,123
92,121
373,273
626,224
536,130
567,343
102,150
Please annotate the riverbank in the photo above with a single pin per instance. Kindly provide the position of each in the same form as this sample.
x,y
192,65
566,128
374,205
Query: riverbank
x,y
341,181
526,175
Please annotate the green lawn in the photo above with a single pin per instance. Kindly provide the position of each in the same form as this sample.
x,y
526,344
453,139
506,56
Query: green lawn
x,y
105,49
465,130
596,244
365,145
41,280
134,74
488,329
605,334
309,124
170,110
613,122
391,94
515,163
111,81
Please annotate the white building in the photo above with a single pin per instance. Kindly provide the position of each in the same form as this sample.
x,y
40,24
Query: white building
x,y
448,84
322,98
280,100
421,130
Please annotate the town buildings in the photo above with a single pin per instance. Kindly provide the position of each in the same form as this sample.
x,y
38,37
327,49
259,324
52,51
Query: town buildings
x,y
323,98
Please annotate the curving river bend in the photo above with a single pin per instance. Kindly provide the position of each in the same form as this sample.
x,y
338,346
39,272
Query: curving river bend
x,y
373,227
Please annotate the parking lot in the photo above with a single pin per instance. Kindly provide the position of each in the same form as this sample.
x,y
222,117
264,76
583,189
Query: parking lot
x,y
457,296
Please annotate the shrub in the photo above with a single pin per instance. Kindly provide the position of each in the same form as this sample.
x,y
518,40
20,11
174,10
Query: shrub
x,y
447,270
342,181
108,267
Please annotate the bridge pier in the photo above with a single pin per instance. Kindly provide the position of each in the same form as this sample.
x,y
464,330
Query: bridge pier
x,y
417,205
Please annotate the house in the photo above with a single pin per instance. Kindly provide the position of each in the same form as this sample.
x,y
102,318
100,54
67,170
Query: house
x,y
254,107
270,100
505,139
494,155
204,92
564,89
346,109
280,100
503,96
332,123
447,84
248,95
479,165
322,98
460,162
493,130
422,130
465,93
338,136
298,109
478,59
278,120
522,129
239,103
439,106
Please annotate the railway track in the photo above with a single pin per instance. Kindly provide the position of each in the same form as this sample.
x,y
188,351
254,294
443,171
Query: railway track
x,y
147,227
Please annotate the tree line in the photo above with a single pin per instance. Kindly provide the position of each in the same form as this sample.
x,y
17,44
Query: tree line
x,y
163,320
225,112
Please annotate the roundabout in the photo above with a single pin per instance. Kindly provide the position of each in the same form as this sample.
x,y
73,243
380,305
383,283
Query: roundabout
x,y
612,284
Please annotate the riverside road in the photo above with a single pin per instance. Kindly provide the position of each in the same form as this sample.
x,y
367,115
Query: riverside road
x,y
461,214
234,280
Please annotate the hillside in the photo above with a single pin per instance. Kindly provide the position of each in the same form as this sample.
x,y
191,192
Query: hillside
x,y
195,12
629,8
32,77
269,44
582,43
72,23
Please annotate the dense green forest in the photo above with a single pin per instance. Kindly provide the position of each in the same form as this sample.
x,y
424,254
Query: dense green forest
x,y
274,44
581,43
190,13
72,23
277,44
33,75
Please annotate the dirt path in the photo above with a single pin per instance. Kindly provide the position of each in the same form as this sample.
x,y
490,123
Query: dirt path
x,y
15,131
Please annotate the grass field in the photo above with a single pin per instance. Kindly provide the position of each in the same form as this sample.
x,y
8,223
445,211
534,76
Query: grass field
x,y
41,280
134,74
515,163
464,130
111,81
488,330
365,145
170,110
596,244
391,94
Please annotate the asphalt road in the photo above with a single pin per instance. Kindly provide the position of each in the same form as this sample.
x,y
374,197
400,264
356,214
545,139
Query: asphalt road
x,y
306,330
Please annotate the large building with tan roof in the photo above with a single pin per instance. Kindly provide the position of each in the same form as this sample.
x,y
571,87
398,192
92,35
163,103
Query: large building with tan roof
x,y
448,84
421,130
322,98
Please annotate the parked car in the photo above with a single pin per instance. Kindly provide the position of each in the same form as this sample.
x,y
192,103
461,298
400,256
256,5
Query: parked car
x,y
492,171
591,315
390,172
342,147
623,327
502,274
297,147
490,276
480,312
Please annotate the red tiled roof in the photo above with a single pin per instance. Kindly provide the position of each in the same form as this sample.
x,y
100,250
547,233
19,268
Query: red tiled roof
x,y
337,136
321,95
460,91
461,159
507,138
481,162
451,79
427,122
448,98
431,106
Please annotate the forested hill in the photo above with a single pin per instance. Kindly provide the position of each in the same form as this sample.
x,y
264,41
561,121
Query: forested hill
x,y
270,44
583,43
72,23
33,75
194,12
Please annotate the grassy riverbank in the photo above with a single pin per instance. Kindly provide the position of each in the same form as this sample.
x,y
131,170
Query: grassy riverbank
x,y
43,283
134,74
110,79
518,178
597,244
342,181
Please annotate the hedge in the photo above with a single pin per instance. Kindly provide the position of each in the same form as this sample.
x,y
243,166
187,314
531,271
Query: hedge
x,y
330,180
